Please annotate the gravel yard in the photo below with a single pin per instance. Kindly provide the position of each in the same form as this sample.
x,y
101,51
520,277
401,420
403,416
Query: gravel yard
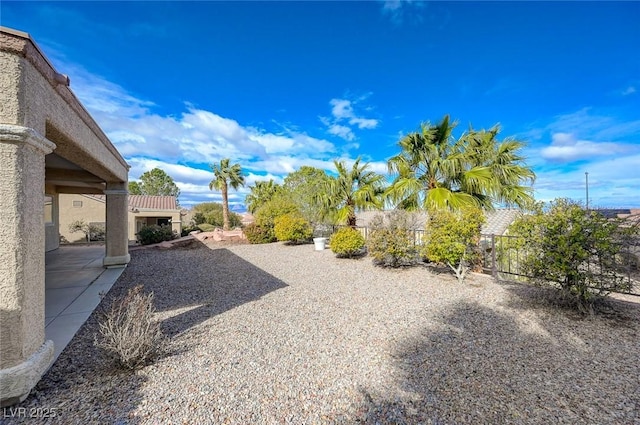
x,y
285,334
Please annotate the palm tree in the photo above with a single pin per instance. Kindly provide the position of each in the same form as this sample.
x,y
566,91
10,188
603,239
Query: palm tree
x,y
226,175
261,193
352,190
434,170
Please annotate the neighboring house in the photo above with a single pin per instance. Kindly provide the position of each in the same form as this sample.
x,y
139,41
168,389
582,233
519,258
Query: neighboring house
x,y
143,210
497,221
49,145
247,218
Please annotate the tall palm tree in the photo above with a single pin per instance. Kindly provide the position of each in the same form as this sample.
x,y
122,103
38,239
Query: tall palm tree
x,y
226,175
261,193
356,189
434,170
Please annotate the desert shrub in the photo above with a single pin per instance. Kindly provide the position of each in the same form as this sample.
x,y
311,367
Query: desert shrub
x,y
128,333
392,240
257,234
206,227
347,242
274,208
452,238
188,229
293,228
277,206
211,213
575,249
92,231
155,234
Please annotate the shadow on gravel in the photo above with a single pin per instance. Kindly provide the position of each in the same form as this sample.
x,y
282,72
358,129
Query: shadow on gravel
x,y
83,387
484,366
208,282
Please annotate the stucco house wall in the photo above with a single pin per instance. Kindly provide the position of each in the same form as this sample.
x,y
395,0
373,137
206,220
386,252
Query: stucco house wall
x,y
91,209
49,144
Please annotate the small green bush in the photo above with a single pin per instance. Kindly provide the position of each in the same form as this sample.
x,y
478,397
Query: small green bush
x,y
452,238
206,227
155,234
257,234
188,229
347,242
391,243
292,228
577,249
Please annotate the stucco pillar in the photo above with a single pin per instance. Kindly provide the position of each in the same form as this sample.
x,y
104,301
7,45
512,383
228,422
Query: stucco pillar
x,y
24,354
117,240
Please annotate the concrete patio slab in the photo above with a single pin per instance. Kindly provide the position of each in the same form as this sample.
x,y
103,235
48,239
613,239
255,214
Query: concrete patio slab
x,y
74,282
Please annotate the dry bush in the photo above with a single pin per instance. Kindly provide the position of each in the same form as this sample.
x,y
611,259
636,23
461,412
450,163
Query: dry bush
x,y
128,332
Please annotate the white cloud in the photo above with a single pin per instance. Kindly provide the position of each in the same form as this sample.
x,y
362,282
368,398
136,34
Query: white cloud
x,y
610,182
629,90
341,131
398,10
344,119
185,144
566,147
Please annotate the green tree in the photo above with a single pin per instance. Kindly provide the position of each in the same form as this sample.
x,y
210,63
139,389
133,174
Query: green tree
x,y
277,206
434,170
212,213
154,182
226,175
351,190
577,249
134,188
261,193
302,186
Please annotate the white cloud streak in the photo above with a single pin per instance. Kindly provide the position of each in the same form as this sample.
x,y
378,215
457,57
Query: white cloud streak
x,y
344,119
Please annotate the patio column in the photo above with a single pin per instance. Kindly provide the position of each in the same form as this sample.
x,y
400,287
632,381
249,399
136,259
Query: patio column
x,y
24,354
117,240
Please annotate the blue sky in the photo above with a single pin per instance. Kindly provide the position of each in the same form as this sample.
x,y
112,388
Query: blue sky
x,y
278,85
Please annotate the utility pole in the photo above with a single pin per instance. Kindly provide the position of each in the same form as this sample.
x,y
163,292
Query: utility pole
x,y
586,176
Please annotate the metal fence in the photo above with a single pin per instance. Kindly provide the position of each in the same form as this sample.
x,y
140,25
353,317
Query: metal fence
x,y
417,234
503,256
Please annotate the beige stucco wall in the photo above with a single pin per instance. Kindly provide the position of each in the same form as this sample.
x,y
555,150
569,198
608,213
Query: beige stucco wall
x,y
51,238
22,247
94,210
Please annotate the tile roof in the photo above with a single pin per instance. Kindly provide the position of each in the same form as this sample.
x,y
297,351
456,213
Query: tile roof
x,y
147,202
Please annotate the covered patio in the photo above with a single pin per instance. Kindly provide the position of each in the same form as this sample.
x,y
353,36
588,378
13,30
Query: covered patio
x,y
49,144
74,281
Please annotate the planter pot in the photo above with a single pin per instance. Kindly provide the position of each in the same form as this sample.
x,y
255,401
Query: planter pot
x,y
319,243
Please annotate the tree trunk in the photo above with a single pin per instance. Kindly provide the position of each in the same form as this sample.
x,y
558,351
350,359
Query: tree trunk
x,y
225,208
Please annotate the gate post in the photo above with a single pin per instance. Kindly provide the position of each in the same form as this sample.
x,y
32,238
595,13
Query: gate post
x,y
494,268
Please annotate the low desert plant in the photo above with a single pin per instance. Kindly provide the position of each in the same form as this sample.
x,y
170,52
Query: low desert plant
x,y
292,228
347,242
206,227
156,234
92,231
392,241
128,333
257,234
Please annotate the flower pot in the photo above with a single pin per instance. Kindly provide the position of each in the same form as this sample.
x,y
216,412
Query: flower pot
x,y
319,243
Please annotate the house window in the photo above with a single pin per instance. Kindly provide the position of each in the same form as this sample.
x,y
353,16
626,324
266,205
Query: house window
x,y
163,221
77,204
48,210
